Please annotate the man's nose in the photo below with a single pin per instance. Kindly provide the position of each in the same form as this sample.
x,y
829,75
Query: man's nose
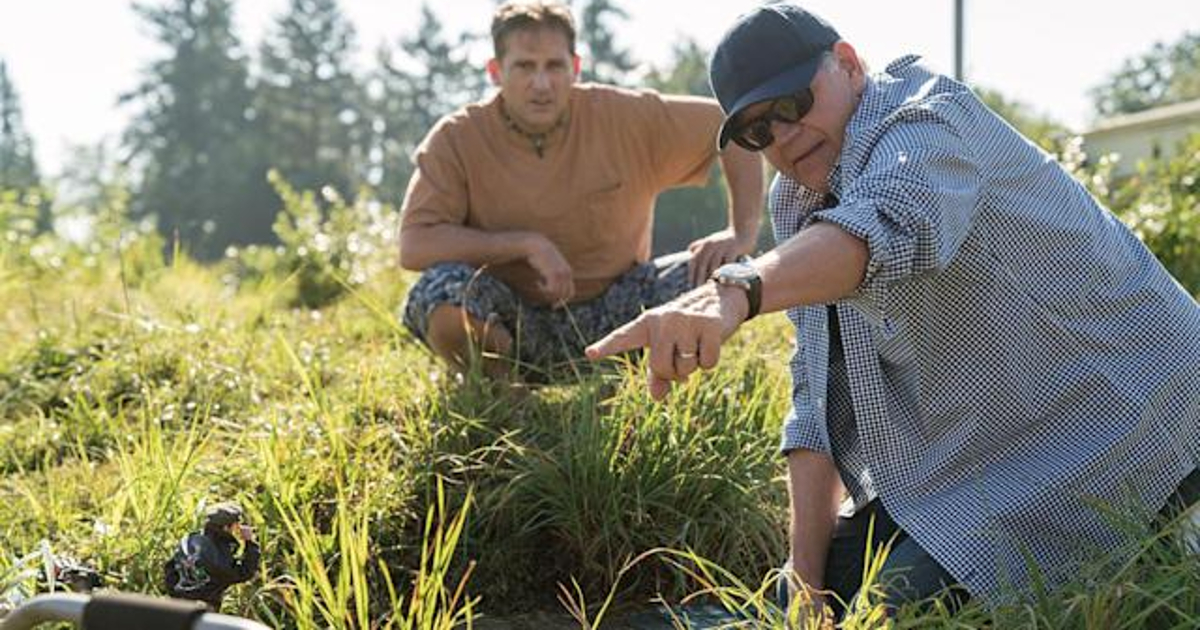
x,y
541,80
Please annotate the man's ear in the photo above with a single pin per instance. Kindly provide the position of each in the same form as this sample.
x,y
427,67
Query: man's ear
x,y
576,65
847,58
493,70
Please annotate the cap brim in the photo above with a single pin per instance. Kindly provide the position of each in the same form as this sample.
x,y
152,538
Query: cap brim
x,y
782,84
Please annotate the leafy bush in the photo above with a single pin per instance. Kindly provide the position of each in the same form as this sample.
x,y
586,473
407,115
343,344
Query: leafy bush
x,y
105,234
327,245
1162,206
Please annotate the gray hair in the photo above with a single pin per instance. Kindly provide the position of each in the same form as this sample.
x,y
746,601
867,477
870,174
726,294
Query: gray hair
x,y
829,63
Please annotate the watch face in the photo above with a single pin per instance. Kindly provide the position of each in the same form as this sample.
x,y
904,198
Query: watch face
x,y
745,277
739,273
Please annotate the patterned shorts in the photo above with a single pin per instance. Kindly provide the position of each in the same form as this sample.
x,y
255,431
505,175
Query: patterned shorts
x,y
546,340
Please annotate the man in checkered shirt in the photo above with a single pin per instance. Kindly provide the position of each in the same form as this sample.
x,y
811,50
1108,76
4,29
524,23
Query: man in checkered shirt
x,y
985,356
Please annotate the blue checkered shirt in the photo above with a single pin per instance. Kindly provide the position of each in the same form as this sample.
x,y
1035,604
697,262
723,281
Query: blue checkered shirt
x,y
1014,356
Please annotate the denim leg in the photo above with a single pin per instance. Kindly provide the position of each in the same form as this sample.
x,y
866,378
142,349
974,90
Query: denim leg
x,y
1187,495
670,278
485,298
1186,498
847,552
909,574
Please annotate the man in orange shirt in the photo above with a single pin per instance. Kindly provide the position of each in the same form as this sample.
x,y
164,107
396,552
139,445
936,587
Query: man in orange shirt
x,y
530,213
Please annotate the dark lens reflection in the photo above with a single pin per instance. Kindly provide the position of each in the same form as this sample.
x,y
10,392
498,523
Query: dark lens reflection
x,y
755,134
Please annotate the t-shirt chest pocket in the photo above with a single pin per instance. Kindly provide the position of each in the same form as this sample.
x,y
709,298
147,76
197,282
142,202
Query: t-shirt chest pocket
x,y
604,202
604,216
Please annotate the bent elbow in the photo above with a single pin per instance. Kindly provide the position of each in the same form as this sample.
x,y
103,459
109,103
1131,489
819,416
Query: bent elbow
x,y
411,256
410,261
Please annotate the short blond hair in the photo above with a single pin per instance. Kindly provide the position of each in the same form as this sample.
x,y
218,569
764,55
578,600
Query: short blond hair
x,y
517,15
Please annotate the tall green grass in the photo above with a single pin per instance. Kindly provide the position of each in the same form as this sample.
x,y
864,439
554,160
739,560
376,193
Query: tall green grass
x,y
387,492
129,403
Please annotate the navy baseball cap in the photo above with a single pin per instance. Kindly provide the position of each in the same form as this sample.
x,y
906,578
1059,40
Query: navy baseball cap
x,y
769,52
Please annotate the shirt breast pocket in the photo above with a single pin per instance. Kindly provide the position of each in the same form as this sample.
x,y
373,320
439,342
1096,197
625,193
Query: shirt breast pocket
x,y
604,198
605,217
894,347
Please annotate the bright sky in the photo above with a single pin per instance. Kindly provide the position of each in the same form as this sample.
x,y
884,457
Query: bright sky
x,y
70,59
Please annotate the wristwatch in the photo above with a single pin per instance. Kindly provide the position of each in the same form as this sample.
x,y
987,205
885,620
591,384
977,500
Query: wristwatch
x,y
745,277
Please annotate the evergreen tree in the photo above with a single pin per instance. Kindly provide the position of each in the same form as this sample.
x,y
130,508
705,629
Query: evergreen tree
x,y
431,77
195,140
18,168
603,60
687,74
89,174
1167,74
313,105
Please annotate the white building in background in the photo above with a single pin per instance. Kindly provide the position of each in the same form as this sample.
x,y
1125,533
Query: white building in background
x,y
1149,135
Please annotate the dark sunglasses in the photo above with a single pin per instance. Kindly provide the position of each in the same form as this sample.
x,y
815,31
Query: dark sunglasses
x,y
755,134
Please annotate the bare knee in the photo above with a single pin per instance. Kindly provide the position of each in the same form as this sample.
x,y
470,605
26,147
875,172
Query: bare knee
x,y
448,333
458,337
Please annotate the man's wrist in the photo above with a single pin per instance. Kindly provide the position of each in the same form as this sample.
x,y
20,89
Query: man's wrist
x,y
743,244
743,277
528,244
745,235
735,303
805,574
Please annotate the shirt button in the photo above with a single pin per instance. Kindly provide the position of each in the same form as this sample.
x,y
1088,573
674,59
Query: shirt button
x,y
820,403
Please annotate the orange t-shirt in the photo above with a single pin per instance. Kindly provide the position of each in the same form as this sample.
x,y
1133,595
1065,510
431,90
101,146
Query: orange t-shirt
x,y
592,193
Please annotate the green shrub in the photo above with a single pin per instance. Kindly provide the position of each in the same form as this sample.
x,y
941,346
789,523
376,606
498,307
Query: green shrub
x,y
331,244
1162,206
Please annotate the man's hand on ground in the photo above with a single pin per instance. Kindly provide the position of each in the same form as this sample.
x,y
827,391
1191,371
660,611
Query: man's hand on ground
x,y
805,608
558,279
714,250
681,335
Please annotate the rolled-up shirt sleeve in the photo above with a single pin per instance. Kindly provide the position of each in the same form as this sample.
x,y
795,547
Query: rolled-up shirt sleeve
x,y
913,205
802,430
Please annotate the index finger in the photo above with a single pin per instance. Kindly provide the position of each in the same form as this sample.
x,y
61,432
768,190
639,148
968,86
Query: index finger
x,y
631,336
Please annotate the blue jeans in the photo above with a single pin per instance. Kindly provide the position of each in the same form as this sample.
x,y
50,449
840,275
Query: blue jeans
x,y
909,573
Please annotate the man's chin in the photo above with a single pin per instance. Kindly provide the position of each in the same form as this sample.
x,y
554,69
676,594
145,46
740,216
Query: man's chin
x,y
541,120
807,180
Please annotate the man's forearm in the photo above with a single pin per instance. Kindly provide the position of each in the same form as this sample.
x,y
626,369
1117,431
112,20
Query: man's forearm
x,y
821,264
425,245
744,177
815,491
